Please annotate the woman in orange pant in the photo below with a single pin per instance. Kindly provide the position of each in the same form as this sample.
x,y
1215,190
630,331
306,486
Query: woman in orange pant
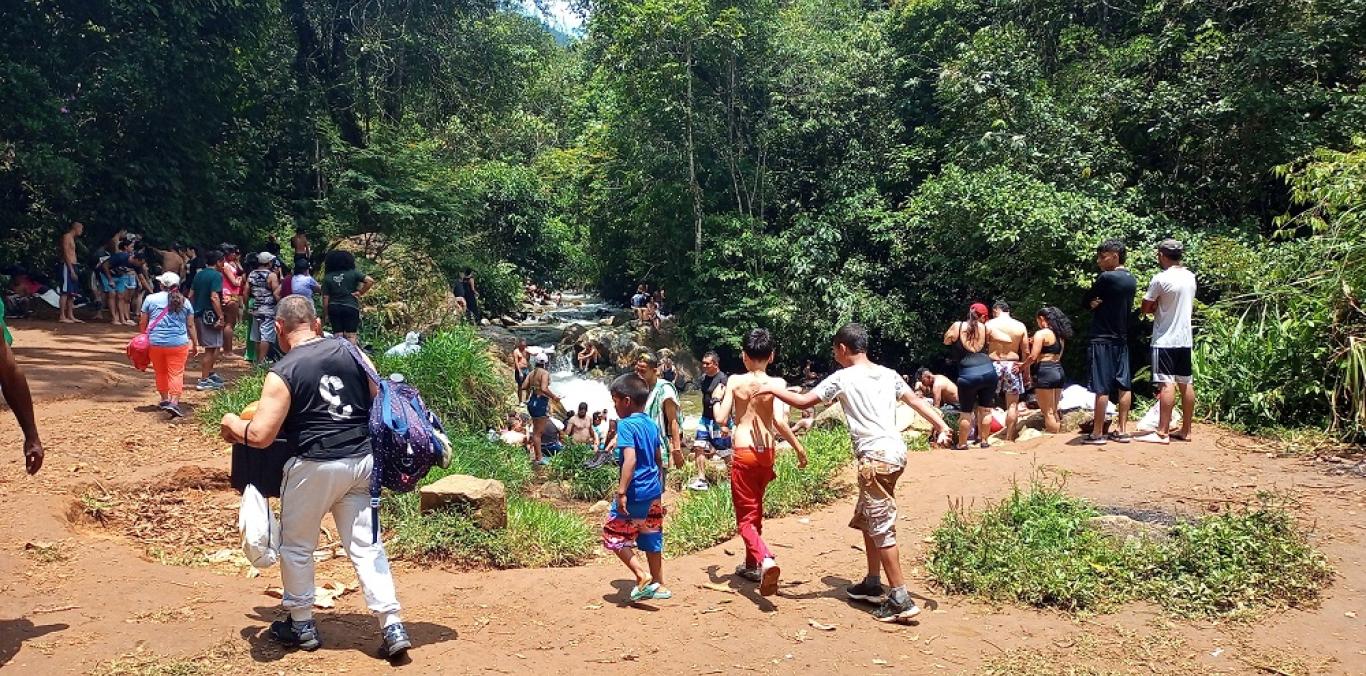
x,y
166,321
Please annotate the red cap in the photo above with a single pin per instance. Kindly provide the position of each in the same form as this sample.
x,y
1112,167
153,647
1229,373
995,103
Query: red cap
x,y
979,309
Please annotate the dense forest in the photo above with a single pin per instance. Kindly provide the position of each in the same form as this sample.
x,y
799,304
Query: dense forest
x,y
791,163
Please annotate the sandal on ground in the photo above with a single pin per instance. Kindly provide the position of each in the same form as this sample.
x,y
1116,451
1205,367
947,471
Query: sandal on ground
x,y
1177,436
983,444
960,447
1093,440
1119,437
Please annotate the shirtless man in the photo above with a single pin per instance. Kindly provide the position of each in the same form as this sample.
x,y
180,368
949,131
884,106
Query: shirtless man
x,y
520,360
936,387
172,260
754,444
67,283
1006,337
301,247
579,427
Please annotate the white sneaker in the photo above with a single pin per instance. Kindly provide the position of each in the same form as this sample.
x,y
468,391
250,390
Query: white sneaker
x,y
768,577
699,484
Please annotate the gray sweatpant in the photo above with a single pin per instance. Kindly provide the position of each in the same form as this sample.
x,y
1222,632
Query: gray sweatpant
x,y
312,488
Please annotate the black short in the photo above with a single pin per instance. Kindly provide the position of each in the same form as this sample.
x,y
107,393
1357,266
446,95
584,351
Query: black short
x,y
1172,365
1110,373
977,388
343,318
1049,375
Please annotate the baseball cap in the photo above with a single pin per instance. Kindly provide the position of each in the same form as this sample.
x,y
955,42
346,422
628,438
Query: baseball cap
x,y
169,279
1171,248
979,309
265,257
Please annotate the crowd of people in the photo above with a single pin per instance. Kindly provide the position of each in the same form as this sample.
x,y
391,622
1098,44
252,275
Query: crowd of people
x,y
318,396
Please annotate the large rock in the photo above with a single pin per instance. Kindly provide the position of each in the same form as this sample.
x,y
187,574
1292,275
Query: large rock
x,y
485,498
572,334
538,334
500,340
908,419
832,416
1076,420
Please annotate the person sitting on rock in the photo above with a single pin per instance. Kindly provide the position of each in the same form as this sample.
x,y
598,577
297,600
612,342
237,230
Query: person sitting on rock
x,y
588,356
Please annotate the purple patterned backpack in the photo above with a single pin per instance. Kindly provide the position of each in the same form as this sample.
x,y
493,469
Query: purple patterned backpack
x,y
406,438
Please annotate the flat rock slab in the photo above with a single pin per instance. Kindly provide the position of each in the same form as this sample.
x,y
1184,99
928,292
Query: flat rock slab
x,y
485,498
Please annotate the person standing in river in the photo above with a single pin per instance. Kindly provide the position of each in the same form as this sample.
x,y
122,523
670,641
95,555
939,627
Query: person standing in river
x,y
520,360
538,398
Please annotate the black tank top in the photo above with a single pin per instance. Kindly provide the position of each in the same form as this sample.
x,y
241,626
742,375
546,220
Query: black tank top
x,y
329,408
968,357
1055,348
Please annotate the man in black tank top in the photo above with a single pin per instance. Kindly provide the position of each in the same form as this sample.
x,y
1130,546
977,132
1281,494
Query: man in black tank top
x,y
318,397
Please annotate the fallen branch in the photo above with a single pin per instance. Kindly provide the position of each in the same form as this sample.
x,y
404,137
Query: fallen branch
x,y
58,609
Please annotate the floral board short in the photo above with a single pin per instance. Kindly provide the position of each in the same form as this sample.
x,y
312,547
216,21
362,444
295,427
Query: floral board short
x,y
642,527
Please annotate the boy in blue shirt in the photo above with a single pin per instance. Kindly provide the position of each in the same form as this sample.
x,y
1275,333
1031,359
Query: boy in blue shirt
x,y
636,518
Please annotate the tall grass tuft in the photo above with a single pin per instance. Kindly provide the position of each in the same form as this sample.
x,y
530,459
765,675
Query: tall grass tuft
x,y
458,379
704,518
231,399
584,483
1036,547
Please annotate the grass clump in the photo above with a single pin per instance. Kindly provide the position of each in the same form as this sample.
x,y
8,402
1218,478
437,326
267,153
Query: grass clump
x,y
704,518
537,534
1037,547
584,483
458,379
231,399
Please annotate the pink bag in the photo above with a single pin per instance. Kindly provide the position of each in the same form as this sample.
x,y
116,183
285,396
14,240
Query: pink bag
x,y
139,347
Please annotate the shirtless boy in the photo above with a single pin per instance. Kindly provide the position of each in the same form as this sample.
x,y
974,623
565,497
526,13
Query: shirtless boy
x,y
1006,337
936,387
520,360
753,444
67,284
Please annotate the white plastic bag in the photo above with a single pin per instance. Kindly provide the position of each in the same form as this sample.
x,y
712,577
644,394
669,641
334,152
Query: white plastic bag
x,y
408,346
1149,421
260,529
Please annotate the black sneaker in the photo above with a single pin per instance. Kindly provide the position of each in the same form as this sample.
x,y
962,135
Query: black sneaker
x,y
174,410
301,635
893,611
871,593
396,641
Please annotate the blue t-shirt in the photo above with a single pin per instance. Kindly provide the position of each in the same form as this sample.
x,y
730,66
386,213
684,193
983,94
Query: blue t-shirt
x,y
170,331
638,431
304,285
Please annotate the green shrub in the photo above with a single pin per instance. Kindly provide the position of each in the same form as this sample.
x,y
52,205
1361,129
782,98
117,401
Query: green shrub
x,y
231,399
1037,548
537,535
584,483
475,455
704,518
458,379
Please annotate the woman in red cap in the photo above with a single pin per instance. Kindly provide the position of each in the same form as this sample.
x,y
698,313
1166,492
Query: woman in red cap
x,y
976,375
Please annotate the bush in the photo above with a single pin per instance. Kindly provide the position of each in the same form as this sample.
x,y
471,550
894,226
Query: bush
x,y
458,378
704,518
1037,548
584,483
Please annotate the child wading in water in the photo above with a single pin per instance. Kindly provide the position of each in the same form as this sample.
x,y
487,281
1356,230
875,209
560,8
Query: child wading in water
x,y
636,518
753,444
868,393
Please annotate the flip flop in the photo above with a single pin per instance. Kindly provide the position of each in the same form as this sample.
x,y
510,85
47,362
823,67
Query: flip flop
x,y
1178,437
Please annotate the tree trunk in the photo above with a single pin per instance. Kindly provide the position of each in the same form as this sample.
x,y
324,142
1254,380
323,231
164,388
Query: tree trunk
x,y
328,66
692,170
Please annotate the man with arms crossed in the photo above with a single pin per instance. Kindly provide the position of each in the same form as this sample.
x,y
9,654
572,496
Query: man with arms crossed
x,y
708,439
869,393
319,397
1111,300
1170,297
67,283
1006,343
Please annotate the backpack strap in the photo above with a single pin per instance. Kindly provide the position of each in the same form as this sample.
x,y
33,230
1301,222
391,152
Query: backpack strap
x,y
377,467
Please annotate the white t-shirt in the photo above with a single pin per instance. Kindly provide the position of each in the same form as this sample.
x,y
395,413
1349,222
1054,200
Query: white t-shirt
x,y
869,396
1174,291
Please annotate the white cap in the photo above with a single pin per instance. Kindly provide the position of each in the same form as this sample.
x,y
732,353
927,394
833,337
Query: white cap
x,y
265,257
169,279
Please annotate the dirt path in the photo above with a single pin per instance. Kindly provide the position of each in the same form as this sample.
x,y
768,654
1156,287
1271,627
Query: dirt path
x,y
91,598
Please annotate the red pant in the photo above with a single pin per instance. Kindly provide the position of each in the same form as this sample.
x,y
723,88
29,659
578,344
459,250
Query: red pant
x,y
169,365
750,472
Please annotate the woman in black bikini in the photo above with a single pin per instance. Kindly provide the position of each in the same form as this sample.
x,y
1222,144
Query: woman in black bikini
x,y
976,375
1046,355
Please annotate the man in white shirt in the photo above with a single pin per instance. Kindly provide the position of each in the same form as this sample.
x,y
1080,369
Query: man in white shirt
x,y
1170,298
869,393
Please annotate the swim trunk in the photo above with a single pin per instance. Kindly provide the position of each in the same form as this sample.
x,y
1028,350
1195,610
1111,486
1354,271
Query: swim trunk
x,y
1049,376
343,318
520,375
1172,365
875,511
642,527
1009,380
709,437
549,449
106,284
1110,369
126,283
210,337
265,328
538,406
67,283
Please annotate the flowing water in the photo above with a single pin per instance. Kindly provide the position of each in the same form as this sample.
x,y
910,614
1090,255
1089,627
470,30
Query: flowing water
x,y
571,386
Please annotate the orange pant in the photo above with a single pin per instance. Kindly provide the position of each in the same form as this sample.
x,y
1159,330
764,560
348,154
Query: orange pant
x,y
169,365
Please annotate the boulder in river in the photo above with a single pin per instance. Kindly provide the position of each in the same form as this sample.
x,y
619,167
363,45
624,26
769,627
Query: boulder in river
x,y
501,341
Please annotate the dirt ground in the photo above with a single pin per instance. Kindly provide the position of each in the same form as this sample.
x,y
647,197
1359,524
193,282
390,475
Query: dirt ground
x,y
79,598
